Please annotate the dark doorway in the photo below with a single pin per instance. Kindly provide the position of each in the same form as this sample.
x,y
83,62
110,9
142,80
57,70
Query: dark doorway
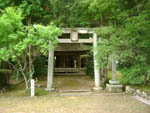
x,y
69,62
64,61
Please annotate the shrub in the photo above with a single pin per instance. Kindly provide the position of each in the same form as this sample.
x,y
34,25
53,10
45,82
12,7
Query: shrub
x,y
4,77
40,66
133,75
89,65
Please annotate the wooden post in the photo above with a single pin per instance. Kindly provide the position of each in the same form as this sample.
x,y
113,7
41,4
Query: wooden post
x,y
32,88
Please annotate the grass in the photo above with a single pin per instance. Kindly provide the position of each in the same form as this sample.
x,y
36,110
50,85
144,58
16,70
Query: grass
x,y
118,77
38,92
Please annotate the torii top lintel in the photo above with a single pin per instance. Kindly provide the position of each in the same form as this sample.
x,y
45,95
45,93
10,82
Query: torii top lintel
x,y
74,35
79,30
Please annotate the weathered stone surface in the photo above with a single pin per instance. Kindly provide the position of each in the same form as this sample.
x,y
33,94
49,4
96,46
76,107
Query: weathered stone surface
x,y
138,92
50,69
130,90
134,94
97,88
114,88
114,82
148,97
144,94
72,47
97,75
52,89
76,91
74,36
143,100
75,94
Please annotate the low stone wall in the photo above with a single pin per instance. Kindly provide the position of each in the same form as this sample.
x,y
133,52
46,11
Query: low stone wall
x,y
138,92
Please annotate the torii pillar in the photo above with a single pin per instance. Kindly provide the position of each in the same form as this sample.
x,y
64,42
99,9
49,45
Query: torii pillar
x,y
97,75
50,70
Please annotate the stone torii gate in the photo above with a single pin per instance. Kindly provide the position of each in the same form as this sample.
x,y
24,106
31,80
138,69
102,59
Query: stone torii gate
x,y
75,39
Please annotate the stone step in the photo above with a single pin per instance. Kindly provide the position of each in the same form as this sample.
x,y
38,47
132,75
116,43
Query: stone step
x,y
74,91
75,94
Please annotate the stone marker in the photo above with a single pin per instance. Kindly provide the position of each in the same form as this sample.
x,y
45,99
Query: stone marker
x,y
114,85
32,88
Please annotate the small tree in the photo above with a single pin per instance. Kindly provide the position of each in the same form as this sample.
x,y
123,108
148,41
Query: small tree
x,y
19,44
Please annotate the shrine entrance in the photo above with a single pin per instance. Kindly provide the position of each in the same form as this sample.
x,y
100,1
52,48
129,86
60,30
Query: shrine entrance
x,y
69,58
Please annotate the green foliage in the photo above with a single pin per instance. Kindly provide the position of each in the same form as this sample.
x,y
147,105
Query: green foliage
x,y
105,48
19,42
4,77
124,28
38,92
141,87
118,73
40,65
73,13
16,75
104,10
11,33
132,76
127,36
45,35
89,66
15,37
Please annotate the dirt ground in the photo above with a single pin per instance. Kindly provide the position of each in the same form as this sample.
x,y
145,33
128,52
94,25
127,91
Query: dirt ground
x,y
72,104
17,101
74,82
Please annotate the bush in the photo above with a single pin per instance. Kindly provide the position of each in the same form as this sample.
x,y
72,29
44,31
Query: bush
x,y
133,76
89,65
40,66
4,77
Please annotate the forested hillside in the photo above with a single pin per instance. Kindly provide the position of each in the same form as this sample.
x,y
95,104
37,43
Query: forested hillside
x,y
123,26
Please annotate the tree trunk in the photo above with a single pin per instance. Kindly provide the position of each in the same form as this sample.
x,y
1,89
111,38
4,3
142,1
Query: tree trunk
x,y
105,75
30,62
30,56
25,79
145,79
